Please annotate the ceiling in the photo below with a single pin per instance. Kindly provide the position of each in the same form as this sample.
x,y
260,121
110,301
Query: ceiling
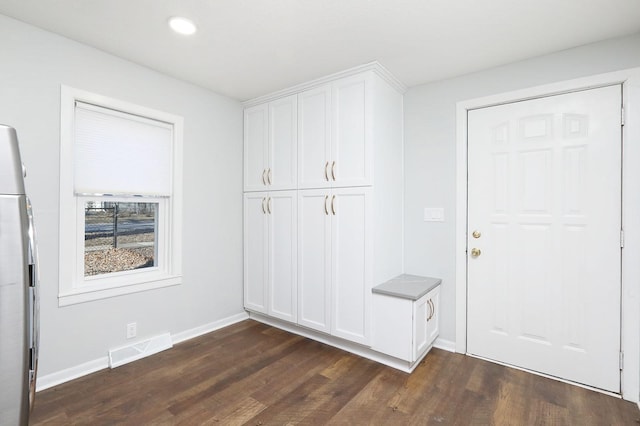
x,y
247,48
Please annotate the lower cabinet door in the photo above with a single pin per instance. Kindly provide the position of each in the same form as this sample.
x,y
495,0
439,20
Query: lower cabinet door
x,y
255,251
421,312
352,271
433,325
281,209
314,259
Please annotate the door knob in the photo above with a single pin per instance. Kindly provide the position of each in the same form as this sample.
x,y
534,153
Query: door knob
x,y
475,252
476,234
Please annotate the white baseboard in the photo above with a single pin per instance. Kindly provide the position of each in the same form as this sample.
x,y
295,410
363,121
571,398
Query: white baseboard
x,y
339,343
208,328
445,345
68,374
62,376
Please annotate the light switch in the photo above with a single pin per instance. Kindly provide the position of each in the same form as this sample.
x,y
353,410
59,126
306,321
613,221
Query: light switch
x,y
433,214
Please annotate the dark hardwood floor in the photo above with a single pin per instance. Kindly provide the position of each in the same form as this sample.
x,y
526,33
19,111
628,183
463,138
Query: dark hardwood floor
x,y
253,374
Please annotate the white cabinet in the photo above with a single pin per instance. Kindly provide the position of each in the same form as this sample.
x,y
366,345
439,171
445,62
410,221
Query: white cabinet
x,y
334,262
425,324
270,253
404,325
270,145
335,134
348,133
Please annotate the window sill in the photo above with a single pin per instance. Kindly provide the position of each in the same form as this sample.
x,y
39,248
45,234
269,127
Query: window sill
x,y
88,294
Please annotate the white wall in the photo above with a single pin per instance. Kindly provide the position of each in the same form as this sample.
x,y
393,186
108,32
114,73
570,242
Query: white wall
x,y
430,156
33,65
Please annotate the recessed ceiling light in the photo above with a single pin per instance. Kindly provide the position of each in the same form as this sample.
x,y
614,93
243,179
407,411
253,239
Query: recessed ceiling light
x,y
182,25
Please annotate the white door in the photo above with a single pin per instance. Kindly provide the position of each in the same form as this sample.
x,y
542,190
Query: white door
x,y
314,136
433,319
544,188
255,251
256,138
283,142
281,211
421,314
314,259
351,252
351,144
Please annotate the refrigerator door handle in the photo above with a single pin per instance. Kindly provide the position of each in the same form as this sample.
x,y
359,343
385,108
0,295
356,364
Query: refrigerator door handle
x,y
34,306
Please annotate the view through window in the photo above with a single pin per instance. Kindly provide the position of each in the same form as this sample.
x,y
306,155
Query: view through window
x,y
119,236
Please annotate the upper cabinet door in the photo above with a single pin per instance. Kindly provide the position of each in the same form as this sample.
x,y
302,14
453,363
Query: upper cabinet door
x,y
314,136
351,141
283,143
256,139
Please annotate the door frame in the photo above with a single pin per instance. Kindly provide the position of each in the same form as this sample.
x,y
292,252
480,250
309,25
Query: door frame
x,y
630,272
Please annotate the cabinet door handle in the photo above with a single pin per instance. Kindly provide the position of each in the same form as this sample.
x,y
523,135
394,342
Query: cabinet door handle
x,y
326,173
333,207
432,309
269,176
264,211
264,182
333,170
326,211
269,205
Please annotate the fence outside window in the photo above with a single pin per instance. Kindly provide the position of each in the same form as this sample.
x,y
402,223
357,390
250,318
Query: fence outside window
x,y
119,236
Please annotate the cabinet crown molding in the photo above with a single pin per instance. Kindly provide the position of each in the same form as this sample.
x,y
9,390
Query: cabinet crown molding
x,y
374,66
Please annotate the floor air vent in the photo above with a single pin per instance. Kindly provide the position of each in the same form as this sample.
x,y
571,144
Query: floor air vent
x,y
135,351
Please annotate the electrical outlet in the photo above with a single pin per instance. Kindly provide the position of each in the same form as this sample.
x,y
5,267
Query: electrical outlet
x,y
132,330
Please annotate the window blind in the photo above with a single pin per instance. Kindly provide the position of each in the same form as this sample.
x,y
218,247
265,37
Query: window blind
x,y
120,153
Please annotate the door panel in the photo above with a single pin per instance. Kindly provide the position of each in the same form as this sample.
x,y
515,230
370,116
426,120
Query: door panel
x,y
314,134
255,252
283,300
256,134
351,254
544,192
283,143
314,260
433,325
351,141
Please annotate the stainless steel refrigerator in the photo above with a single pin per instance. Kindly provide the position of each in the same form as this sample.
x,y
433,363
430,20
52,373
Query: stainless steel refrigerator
x,y
19,308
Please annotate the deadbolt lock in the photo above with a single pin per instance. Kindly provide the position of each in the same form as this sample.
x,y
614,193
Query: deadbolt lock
x,y
475,252
476,234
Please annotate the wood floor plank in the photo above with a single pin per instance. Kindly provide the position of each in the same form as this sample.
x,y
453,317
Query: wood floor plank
x,y
254,374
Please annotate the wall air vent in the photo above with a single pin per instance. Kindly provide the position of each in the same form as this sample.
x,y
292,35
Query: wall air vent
x,y
135,351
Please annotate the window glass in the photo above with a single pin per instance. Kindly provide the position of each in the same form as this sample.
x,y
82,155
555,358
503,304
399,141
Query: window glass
x,y
119,236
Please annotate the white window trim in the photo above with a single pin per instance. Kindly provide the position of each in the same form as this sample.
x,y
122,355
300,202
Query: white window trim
x,y
72,286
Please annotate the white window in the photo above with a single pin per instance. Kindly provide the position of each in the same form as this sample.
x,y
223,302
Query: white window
x,y
120,197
